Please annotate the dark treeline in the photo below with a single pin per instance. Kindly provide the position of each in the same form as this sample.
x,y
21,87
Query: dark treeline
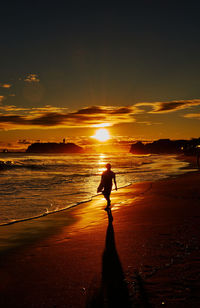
x,y
167,146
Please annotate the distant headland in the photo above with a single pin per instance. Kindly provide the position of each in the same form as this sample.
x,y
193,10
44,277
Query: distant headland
x,y
167,146
53,147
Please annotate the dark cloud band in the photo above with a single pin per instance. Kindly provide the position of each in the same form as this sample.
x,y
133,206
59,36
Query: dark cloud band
x,y
12,117
164,107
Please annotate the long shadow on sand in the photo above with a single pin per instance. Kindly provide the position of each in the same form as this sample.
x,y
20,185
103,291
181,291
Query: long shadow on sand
x,y
113,291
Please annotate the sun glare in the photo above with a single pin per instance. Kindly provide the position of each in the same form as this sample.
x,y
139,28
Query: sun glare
x,y
102,125
102,134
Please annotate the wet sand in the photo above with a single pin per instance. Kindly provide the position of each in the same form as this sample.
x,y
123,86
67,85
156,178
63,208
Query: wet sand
x,y
145,253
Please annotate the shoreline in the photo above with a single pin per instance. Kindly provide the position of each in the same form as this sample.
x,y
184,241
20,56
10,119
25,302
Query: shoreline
x,y
192,160
28,231
191,168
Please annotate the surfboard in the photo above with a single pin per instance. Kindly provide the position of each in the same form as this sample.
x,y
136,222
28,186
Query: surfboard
x,y
100,188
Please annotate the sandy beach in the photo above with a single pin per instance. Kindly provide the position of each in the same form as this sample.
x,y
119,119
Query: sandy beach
x,y
144,253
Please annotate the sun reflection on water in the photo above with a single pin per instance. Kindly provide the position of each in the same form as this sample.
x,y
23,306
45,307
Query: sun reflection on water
x,y
101,163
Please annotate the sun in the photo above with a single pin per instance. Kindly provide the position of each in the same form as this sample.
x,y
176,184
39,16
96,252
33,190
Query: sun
x,y
102,134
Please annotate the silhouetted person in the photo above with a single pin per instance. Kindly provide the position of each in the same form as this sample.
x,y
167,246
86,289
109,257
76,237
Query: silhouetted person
x,y
105,186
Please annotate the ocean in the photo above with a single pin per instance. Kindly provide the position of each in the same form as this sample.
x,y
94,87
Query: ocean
x,y
33,185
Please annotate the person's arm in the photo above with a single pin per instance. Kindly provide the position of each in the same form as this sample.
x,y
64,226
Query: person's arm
x,y
115,182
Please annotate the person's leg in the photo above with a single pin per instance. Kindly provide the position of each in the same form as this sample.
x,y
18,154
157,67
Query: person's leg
x,y
108,200
107,197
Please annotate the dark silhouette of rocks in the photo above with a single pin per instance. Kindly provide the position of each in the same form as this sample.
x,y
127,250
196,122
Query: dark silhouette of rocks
x,y
167,146
53,147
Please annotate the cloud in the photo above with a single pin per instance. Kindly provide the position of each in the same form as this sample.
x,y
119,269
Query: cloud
x,y
148,123
12,117
53,117
192,116
24,141
5,85
32,78
11,108
33,110
171,106
46,109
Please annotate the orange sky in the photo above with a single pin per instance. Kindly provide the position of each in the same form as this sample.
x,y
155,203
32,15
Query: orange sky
x,y
75,67
140,121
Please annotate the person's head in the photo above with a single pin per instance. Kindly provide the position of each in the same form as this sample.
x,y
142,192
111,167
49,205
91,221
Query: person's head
x,y
108,166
